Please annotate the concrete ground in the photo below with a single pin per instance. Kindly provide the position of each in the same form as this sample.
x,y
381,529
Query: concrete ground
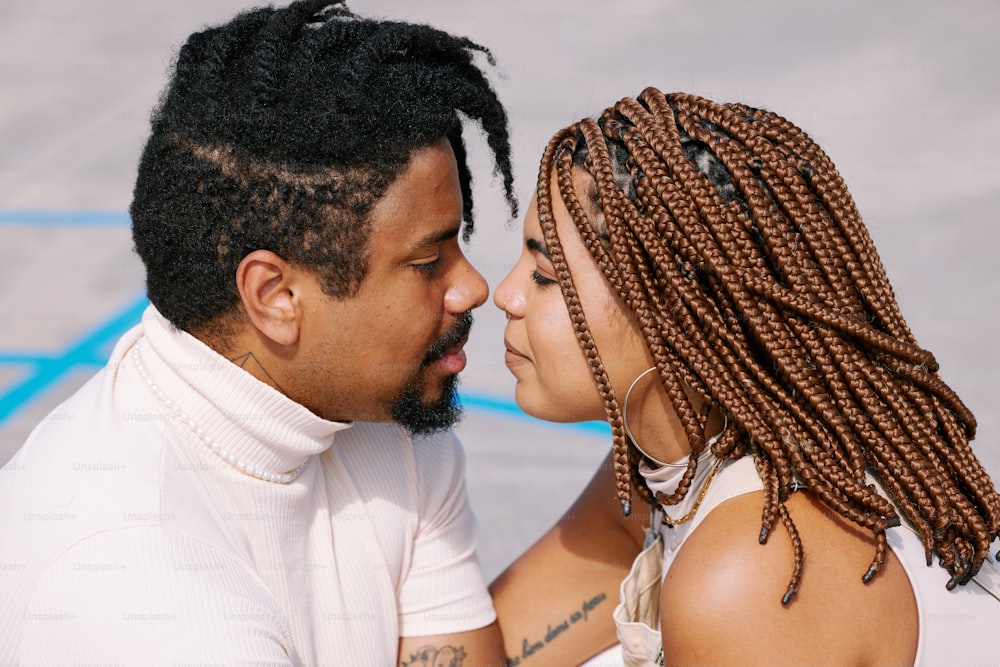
x,y
901,94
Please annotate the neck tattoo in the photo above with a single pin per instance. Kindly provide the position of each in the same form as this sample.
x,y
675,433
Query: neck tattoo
x,y
252,359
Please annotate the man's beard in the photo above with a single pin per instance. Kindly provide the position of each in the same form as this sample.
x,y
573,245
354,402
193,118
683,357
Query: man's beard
x,y
408,407
419,418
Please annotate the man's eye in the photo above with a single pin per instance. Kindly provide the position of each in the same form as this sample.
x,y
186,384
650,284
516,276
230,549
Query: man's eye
x,y
427,267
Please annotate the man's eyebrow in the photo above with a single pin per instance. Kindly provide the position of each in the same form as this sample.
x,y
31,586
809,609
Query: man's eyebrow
x,y
538,246
437,237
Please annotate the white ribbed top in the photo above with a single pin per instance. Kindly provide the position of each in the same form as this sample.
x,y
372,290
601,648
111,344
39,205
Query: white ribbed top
x,y
128,539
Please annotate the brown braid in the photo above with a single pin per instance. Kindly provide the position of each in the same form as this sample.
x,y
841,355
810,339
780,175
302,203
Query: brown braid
x,y
731,237
622,472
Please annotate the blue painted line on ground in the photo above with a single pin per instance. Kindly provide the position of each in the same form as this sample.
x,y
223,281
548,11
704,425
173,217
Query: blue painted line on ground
x,y
86,351
23,358
508,408
65,218
28,359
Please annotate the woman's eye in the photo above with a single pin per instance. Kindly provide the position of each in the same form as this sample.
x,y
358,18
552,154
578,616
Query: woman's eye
x,y
540,279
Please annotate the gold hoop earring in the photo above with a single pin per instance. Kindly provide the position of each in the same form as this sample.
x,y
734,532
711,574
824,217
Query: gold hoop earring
x,y
631,438
628,430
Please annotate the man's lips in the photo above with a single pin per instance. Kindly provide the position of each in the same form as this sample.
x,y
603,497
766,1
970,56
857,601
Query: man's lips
x,y
446,353
453,360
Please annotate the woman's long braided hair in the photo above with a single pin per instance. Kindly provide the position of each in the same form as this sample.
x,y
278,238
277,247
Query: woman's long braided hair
x,y
734,242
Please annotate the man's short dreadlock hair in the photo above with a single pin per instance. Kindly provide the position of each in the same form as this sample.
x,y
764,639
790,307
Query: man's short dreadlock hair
x,y
280,130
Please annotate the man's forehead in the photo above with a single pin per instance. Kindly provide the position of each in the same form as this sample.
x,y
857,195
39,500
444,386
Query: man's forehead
x,y
415,227
424,205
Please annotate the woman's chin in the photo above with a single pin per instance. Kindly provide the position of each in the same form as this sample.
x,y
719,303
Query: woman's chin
x,y
532,406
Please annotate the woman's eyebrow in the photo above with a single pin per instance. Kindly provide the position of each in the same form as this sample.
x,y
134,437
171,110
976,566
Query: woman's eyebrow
x,y
538,246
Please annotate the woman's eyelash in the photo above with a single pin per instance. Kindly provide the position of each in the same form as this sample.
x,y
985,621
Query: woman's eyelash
x,y
539,279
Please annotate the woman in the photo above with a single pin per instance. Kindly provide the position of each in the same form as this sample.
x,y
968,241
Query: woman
x,y
738,333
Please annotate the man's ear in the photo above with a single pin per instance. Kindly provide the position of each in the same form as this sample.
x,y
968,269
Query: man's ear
x,y
267,286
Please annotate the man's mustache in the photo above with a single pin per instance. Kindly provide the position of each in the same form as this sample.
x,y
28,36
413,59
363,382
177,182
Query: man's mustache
x,y
455,334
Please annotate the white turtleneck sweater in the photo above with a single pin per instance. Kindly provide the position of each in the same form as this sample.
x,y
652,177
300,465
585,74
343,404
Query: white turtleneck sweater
x,y
126,539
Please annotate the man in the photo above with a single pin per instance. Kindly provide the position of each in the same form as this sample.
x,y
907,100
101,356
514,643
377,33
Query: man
x,y
263,472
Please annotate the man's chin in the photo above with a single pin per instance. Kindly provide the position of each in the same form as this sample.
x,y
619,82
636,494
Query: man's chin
x,y
420,416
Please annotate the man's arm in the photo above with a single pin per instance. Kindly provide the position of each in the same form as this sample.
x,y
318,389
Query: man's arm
x,y
446,615
554,603
476,648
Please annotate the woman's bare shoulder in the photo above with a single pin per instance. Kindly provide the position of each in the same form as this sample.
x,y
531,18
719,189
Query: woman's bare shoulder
x,y
721,599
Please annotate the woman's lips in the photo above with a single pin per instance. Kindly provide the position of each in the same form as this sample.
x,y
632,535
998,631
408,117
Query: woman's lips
x,y
511,355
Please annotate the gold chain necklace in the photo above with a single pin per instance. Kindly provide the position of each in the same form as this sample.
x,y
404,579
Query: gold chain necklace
x,y
697,502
